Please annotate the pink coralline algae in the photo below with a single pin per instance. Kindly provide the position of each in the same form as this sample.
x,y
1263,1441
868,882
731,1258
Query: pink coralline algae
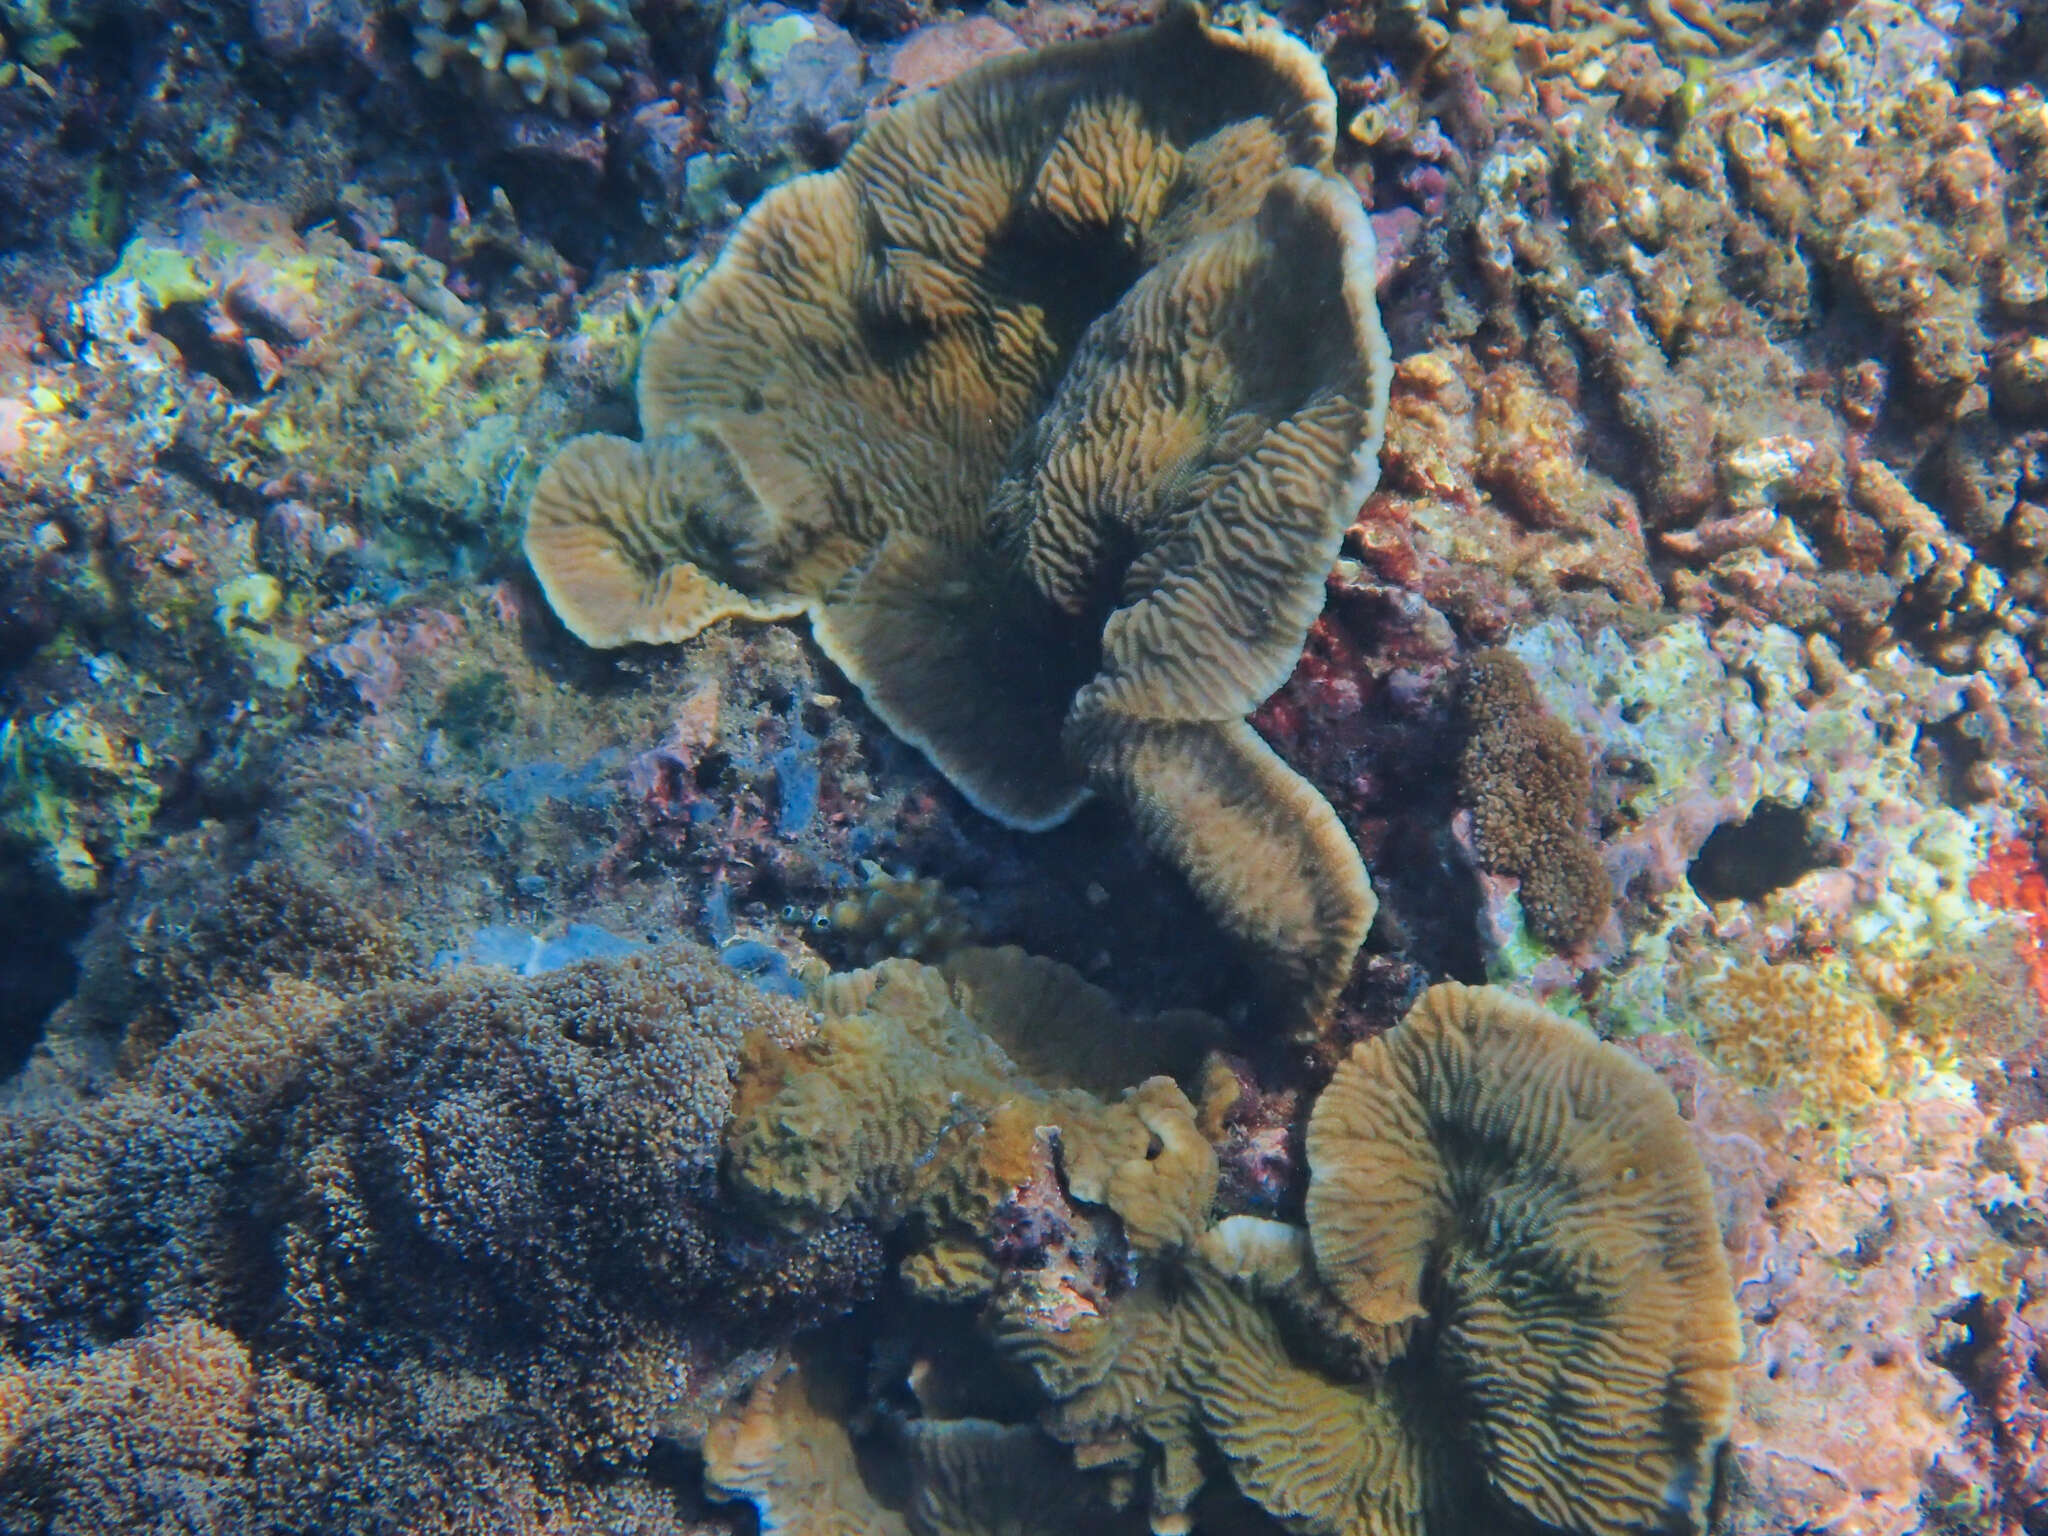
x,y
1886,1376
371,660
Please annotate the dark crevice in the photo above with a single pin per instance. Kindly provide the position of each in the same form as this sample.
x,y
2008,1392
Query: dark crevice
x,y
38,969
1747,860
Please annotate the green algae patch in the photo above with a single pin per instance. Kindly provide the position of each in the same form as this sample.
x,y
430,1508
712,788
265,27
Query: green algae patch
x,y
73,794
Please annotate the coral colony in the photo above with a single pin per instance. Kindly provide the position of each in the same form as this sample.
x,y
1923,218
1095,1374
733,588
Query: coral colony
x,y
1074,767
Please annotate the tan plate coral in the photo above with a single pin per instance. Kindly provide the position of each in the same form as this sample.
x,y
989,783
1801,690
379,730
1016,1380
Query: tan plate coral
x,y
1528,1199
1509,1310
1049,408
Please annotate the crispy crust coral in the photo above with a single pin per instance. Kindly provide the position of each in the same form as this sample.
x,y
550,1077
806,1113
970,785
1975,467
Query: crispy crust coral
x,y
1049,408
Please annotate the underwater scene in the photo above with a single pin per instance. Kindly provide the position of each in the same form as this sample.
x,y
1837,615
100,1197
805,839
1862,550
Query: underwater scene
x,y
1091,766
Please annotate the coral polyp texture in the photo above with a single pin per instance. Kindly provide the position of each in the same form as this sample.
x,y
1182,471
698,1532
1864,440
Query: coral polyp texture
x,y
1049,407
1528,784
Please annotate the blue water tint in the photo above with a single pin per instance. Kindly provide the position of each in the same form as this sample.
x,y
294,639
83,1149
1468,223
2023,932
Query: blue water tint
x,y
515,949
525,789
766,968
796,777
718,911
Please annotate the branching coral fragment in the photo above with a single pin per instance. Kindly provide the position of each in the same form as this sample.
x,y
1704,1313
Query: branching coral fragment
x,y
560,54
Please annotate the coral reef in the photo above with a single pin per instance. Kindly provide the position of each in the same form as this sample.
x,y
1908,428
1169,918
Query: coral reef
x,y
377,960
1855,1261
771,471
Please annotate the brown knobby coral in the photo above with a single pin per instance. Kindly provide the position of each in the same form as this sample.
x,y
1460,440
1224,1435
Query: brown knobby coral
x,y
1527,781
905,1107
1794,1026
1049,408
1528,1198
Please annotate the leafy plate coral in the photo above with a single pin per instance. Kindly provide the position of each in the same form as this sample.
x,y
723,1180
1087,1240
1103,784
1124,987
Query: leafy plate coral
x,y
1049,408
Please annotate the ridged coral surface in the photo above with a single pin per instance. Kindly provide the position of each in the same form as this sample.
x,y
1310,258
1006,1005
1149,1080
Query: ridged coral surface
x,y
767,765
1060,534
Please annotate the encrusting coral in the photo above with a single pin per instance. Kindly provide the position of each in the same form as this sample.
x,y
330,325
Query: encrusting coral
x,y
1511,1268
1049,407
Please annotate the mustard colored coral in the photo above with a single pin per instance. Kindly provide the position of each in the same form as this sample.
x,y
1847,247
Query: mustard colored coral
x,y
1530,1193
1509,1308
904,1108
1049,408
1791,1025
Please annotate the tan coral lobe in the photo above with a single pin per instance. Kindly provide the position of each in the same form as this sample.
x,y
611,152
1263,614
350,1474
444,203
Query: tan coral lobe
x,y
1049,407
1530,1194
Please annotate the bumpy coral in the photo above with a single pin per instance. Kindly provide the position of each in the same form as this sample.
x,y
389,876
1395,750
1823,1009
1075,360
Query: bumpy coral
x,y
1061,532
561,54
891,916
1526,778
907,1108
508,1181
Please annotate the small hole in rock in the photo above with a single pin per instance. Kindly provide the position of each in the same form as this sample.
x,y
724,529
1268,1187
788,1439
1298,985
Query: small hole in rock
x,y
1747,860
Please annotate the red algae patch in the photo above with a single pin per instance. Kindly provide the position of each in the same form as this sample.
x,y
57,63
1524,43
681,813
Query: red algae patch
x,y
2011,880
